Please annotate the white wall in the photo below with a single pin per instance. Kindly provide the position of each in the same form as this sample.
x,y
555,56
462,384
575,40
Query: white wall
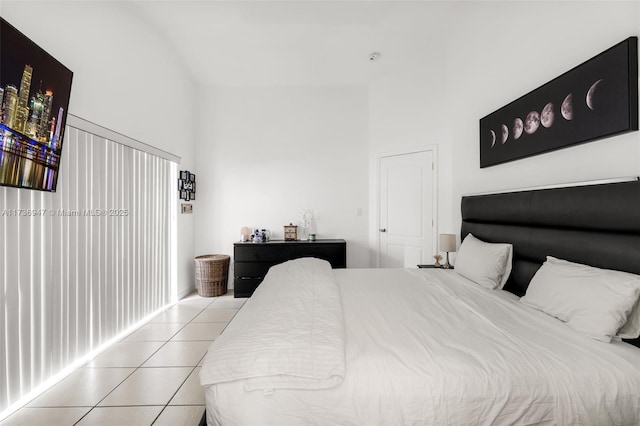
x,y
124,79
406,112
498,51
265,153
430,86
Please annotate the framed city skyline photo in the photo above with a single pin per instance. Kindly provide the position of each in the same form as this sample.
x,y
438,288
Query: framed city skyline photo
x,y
594,100
34,98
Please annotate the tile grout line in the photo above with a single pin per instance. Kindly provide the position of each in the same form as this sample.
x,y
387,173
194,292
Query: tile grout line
x,y
130,374
174,394
164,407
140,366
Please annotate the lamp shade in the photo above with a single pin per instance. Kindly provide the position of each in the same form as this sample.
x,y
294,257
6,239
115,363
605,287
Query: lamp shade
x,y
447,242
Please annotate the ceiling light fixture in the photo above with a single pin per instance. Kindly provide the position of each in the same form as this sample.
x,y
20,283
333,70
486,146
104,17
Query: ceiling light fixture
x,y
373,56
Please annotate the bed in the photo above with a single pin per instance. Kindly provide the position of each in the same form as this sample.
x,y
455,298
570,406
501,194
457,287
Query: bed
x,y
430,346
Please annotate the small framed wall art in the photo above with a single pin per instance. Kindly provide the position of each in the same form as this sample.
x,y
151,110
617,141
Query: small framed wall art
x,y
594,100
187,186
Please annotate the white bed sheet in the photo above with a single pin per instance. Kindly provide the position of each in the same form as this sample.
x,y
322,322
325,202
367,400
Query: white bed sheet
x,y
288,336
430,347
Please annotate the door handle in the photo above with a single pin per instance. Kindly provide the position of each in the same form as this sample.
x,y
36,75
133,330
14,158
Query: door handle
x,y
383,229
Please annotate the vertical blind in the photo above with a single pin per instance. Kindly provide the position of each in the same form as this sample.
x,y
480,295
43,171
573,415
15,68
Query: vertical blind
x,y
79,266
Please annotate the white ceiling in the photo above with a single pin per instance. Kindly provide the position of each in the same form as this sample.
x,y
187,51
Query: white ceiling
x,y
293,42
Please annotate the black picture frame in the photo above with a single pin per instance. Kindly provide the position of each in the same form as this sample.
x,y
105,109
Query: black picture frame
x,y
187,185
595,100
35,91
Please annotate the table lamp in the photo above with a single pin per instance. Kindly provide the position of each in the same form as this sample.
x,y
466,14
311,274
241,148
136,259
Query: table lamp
x,y
447,244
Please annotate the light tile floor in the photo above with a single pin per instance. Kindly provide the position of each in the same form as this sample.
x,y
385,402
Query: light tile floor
x,y
148,378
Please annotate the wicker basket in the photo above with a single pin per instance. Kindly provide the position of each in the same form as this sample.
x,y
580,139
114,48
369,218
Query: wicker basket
x,y
212,271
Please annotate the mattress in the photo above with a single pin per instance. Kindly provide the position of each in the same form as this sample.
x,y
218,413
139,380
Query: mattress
x,y
422,346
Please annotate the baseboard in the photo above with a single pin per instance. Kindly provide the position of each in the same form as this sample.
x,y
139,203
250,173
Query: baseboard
x,y
184,293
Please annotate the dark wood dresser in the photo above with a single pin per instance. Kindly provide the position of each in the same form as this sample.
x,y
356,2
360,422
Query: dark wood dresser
x,y
251,261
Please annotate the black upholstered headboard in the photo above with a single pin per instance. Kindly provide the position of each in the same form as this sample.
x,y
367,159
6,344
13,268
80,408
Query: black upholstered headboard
x,y
597,225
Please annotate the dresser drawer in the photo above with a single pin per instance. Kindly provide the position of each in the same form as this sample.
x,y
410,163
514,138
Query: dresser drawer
x,y
253,260
334,254
244,287
260,252
252,269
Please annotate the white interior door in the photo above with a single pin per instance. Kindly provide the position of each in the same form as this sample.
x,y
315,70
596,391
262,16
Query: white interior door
x,y
406,226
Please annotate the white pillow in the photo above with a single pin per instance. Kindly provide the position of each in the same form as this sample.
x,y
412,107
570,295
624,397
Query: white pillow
x,y
592,301
631,330
487,264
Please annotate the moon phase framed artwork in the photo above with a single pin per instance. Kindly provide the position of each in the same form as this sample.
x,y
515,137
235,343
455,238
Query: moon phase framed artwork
x,y
595,100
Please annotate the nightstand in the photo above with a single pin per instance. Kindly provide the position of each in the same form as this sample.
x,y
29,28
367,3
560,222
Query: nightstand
x,y
432,267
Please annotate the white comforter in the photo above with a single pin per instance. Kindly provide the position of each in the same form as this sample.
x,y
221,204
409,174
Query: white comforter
x,y
430,347
290,336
